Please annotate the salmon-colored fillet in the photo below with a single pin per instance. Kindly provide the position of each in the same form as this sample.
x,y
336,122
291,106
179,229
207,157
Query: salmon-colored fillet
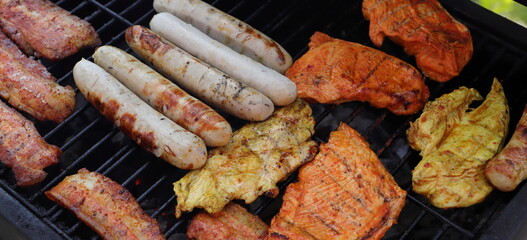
x,y
233,222
344,193
442,46
41,28
336,71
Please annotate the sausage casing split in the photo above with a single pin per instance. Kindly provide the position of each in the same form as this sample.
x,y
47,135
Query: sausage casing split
x,y
229,30
164,96
274,85
205,82
508,168
149,128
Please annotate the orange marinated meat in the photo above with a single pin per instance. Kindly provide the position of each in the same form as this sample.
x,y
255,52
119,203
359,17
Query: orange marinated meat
x,y
336,71
441,45
344,193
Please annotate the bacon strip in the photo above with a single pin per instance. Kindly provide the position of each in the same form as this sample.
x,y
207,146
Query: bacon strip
x,y
28,86
41,28
23,149
105,206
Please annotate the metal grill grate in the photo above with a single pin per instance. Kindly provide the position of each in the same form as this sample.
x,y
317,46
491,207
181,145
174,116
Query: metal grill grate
x,y
88,140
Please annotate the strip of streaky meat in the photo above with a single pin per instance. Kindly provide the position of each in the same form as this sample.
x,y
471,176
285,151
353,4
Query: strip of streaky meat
x,y
29,87
442,46
105,206
23,149
234,222
258,156
42,28
344,193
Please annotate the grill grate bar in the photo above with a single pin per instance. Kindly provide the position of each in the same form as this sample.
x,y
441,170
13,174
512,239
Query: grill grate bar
x,y
136,173
128,148
119,161
414,223
107,10
278,20
65,122
151,188
80,134
174,227
488,66
258,11
445,226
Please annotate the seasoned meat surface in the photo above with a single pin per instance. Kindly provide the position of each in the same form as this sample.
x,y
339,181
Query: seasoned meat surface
x,y
105,206
441,45
28,86
451,173
344,193
23,149
336,71
257,156
41,28
233,222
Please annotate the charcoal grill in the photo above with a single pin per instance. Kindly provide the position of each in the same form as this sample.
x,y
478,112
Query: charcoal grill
x,y
90,141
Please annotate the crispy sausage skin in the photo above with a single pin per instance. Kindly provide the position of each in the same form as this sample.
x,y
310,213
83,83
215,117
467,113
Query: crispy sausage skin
x,y
274,85
105,206
41,28
149,128
205,82
23,149
508,168
229,30
164,96
29,87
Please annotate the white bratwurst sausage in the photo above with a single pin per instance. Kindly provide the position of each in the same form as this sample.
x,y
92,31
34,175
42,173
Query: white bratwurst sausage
x,y
165,96
204,81
229,30
149,128
274,85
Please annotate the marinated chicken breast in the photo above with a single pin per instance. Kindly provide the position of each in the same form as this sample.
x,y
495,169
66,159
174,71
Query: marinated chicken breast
x,y
23,149
451,173
41,28
233,222
105,206
441,45
29,87
336,71
257,156
344,193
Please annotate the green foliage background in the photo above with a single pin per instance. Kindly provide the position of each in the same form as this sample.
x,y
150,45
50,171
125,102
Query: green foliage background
x,y
507,8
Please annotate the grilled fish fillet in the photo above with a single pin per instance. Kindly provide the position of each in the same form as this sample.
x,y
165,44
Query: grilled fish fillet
x,y
336,71
233,222
105,206
344,193
452,174
441,45
28,86
23,149
41,28
257,156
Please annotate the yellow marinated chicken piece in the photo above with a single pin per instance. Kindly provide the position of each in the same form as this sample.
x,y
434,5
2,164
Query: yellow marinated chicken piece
x,y
451,173
257,156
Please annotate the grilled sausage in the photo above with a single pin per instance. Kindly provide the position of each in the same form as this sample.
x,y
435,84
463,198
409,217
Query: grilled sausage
x,y
149,128
105,206
164,96
508,168
228,30
207,83
274,85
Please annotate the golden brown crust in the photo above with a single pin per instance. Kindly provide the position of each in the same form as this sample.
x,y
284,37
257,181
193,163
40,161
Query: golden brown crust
x,y
344,193
105,206
233,222
42,28
336,71
442,46
23,149
27,85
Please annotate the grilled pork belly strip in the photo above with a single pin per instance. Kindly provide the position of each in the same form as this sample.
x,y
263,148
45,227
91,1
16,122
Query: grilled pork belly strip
x,y
105,206
41,28
344,193
442,46
233,222
26,85
23,149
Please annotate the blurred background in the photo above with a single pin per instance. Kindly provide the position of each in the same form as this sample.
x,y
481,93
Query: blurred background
x,y
507,8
